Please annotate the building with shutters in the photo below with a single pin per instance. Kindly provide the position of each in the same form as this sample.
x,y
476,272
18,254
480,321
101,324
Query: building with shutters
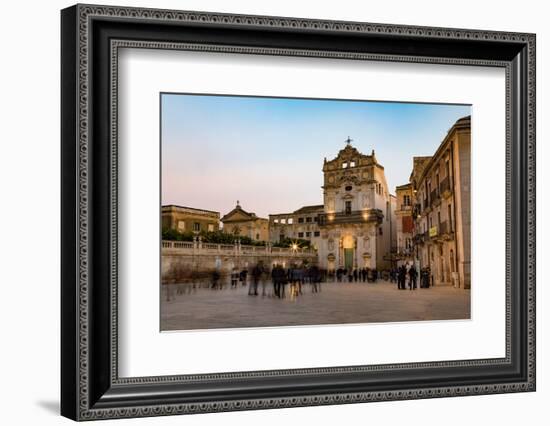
x,y
440,188
189,219
404,224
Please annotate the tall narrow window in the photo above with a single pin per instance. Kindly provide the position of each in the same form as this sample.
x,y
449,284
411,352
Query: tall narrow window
x,y
348,207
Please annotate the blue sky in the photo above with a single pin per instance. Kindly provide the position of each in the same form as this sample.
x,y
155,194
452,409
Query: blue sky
x,y
268,152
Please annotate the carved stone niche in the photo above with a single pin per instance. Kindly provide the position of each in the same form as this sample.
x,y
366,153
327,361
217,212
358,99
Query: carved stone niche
x,y
366,242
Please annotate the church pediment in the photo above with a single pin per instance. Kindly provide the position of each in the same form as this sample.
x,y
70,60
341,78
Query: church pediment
x,y
349,157
237,216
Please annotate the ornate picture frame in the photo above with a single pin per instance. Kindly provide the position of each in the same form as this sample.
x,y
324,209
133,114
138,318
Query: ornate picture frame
x,y
90,384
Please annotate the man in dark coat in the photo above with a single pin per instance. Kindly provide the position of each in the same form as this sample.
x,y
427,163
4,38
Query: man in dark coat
x,y
401,277
256,275
412,276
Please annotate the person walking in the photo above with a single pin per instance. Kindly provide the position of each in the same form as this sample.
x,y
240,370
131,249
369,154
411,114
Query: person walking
x,y
264,278
408,276
256,276
234,277
314,278
242,277
215,279
413,274
276,280
401,277
300,278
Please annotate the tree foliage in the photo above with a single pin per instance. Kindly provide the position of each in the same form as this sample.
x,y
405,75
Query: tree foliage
x,y
215,237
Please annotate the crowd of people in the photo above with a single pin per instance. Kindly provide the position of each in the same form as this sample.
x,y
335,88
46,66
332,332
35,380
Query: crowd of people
x,y
294,277
406,276
274,281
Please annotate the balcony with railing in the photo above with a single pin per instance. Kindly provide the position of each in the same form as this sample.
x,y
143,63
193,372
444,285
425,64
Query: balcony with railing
x,y
426,207
356,216
446,229
404,208
420,238
445,187
435,198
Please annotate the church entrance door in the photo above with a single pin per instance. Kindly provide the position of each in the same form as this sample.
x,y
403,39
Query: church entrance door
x,y
348,258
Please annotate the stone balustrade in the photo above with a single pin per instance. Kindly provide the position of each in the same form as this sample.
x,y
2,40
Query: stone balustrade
x,y
197,247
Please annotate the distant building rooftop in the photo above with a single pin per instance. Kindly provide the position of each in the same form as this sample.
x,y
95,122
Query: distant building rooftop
x,y
309,209
170,207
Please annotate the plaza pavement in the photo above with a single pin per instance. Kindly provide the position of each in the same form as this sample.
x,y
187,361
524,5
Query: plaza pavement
x,y
336,303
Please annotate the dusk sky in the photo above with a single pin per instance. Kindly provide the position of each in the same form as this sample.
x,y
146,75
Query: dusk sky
x,y
268,153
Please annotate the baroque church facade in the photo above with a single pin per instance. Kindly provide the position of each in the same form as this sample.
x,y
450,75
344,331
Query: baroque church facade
x,y
357,226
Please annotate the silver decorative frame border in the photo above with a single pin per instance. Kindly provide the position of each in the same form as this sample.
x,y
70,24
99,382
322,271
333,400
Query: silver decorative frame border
x,y
86,13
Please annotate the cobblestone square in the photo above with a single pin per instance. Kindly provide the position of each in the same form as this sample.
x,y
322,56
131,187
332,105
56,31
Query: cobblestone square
x,y
186,308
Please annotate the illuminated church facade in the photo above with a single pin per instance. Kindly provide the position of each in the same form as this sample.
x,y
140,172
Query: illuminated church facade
x,y
357,227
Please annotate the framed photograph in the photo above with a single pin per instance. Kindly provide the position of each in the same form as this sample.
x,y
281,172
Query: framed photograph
x,y
263,212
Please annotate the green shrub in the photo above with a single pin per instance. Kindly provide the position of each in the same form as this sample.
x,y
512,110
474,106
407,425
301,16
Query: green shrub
x,y
174,235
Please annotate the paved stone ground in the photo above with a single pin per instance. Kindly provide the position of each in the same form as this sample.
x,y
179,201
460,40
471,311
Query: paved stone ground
x,y
337,303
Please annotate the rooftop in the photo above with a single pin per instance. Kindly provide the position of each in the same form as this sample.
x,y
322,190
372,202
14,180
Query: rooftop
x,y
169,207
309,209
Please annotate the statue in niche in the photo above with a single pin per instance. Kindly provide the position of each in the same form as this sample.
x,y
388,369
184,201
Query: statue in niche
x,y
366,242
366,200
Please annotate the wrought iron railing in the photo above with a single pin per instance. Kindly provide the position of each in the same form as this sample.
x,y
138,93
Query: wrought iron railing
x,y
445,186
434,197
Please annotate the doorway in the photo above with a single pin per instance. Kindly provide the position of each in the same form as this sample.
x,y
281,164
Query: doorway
x,y
348,258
